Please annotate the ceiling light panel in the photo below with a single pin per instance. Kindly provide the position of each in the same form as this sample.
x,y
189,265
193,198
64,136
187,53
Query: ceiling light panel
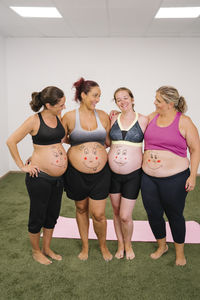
x,y
37,12
178,12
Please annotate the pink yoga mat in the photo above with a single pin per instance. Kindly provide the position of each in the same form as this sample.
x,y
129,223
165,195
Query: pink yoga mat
x,y
67,228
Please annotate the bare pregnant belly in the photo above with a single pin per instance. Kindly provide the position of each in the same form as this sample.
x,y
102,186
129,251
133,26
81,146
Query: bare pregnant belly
x,y
51,159
160,163
88,158
124,159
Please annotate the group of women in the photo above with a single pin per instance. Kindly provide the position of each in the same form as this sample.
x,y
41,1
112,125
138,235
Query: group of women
x,y
89,175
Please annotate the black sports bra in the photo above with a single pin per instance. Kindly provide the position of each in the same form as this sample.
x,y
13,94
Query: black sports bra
x,y
47,135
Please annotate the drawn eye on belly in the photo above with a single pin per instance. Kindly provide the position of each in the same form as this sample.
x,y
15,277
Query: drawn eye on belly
x,y
153,161
90,157
58,158
120,157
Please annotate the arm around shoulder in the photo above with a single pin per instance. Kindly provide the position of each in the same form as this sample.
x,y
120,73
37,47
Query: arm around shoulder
x,y
143,121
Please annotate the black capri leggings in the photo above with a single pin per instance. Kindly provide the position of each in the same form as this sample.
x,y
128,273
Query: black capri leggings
x,y
45,194
165,194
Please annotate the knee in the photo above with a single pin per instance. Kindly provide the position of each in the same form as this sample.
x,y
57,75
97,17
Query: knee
x,y
125,218
81,210
98,217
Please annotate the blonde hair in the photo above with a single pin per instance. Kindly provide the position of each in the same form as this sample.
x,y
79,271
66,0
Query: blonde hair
x,y
170,94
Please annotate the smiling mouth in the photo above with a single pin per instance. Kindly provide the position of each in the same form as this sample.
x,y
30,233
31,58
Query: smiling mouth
x,y
91,167
120,163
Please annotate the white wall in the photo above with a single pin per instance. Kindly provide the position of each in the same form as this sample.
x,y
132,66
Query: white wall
x,y
4,157
141,64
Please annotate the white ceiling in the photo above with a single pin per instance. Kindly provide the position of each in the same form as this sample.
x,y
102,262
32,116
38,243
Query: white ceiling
x,y
98,18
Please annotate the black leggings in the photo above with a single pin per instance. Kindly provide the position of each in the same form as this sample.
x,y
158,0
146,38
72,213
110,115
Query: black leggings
x,y
165,194
45,194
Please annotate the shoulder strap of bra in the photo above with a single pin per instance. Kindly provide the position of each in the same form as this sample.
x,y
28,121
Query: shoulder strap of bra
x,y
176,119
98,120
77,120
132,124
153,121
40,117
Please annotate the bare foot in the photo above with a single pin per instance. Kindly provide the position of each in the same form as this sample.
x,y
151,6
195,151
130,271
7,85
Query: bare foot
x,y
159,252
181,261
53,255
129,253
120,253
41,258
106,254
83,255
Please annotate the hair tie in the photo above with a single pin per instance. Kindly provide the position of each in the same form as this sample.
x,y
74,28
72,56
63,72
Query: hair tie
x,y
39,94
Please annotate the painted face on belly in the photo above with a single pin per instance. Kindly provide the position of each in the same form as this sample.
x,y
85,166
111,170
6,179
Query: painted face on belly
x,y
90,157
59,158
153,161
120,156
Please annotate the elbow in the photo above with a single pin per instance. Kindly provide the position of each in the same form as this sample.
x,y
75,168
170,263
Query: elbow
x,y
8,142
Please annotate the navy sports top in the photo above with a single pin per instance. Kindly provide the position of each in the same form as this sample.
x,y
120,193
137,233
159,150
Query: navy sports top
x,y
80,135
47,135
133,135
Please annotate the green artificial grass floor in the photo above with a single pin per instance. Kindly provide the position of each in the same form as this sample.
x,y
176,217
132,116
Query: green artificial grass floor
x,y
23,278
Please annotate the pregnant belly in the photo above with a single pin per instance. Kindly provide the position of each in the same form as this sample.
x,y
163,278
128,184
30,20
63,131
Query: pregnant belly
x,y
124,159
51,159
88,158
160,163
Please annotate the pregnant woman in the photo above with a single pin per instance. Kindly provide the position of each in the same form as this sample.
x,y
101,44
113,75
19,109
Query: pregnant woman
x,y
167,178
47,165
125,160
87,179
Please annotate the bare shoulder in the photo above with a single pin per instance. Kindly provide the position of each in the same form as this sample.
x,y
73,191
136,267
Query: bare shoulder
x,y
143,121
68,116
102,113
31,122
185,119
186,123
143,118
104,118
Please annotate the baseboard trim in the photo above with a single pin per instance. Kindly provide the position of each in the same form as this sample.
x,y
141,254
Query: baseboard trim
x,y
10,172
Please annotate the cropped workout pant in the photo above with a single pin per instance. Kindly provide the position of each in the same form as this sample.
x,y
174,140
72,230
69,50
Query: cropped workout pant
x,y
45,194
165,195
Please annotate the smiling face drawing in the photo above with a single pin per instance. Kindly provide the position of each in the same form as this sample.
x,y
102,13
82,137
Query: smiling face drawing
x,y
59,157
120,157
153,161
90,156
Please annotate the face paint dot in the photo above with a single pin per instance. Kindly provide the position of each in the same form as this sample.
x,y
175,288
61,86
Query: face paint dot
x,y
116,156
125,158
96,157
149,160
158,161
85,158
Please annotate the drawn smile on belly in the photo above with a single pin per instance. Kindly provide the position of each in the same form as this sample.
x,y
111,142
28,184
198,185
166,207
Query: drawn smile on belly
x,y
120,157
90,157
154,162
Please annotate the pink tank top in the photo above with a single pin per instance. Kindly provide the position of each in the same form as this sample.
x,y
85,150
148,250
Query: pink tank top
x,y
165,138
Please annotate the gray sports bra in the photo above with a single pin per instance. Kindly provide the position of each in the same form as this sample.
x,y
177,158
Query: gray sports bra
x,y
80,135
